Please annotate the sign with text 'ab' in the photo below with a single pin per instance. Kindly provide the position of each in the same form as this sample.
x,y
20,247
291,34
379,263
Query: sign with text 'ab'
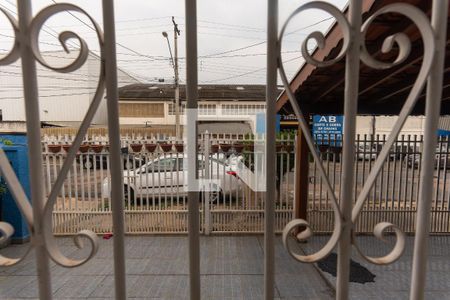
x,y
327,130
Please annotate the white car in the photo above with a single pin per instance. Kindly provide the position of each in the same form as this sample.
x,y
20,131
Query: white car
x,y
366,152
166,176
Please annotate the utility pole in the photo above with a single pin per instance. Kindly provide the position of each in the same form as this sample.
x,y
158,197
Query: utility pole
x,y
176,33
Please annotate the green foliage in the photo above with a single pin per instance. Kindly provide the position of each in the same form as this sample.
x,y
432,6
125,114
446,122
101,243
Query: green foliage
x,y
248,138
3,188
287,134
6,142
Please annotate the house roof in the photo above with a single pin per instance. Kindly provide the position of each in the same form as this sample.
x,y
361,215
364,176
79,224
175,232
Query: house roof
x,y
321,90
224,127
158,92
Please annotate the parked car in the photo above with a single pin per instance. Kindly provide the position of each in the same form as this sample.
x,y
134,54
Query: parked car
x,y
366,151
130,161
332,154
166,176
441,161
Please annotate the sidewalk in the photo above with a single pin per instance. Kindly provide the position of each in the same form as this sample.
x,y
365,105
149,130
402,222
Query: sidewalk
x,y
393,281
157,268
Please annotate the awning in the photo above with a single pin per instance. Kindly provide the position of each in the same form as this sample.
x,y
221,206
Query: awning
x,y
321,90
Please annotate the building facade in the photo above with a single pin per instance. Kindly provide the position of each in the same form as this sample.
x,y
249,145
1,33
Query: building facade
x,y
229,105
63,98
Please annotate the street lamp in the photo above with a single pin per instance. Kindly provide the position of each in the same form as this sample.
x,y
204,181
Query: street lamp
x,y
168,44
175,68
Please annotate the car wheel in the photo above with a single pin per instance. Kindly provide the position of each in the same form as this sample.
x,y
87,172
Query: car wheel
x,y
127,164
214,196
128,193
88,163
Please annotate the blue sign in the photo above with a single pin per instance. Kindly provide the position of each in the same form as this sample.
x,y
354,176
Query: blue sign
x,y
443,132
327,130
261,123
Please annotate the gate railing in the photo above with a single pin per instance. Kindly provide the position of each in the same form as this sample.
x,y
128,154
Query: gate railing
x,y
26,30
155,200
346,212
394,195
155,195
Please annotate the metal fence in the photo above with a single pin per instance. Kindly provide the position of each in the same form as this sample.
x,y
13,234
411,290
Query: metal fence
x,y
394,195
154,186
26,28
155,200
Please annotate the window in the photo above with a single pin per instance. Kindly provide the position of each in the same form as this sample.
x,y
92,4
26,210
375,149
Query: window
x,y
242,109
172,109
141,110
207,109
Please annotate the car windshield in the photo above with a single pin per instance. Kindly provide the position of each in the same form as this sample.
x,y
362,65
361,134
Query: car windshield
x,y
162,165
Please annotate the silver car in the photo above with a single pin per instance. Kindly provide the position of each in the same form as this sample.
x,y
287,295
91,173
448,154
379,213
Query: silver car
x,y
166,175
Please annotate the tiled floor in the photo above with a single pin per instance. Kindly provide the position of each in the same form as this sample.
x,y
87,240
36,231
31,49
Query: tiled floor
x,y
393,281
231,267
157,268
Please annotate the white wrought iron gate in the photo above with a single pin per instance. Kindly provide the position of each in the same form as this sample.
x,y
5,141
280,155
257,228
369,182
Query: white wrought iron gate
x,y
26,29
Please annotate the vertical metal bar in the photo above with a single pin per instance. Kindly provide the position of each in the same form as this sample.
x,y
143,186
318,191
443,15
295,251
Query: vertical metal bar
x,y
446,157
97,157
271,155
357,142
191,105
301,176
30,88
432,111
387,201
405,154
147,192
133,202
348,154
108,176
75,181
207,205
380,190
82,183
413,171
90,158
114,140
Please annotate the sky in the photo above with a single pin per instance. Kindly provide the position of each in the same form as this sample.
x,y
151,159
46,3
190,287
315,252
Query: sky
x,y
231,36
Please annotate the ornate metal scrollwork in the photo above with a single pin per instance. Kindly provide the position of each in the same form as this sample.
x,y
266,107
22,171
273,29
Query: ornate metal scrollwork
x,y
13,184
404,46
318,36
14,53
6,229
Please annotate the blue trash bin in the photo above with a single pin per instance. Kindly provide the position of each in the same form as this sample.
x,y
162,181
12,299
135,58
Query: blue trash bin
x,y
17,154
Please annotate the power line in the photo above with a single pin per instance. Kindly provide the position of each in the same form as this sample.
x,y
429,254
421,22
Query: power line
x,y
226,24
263,42
206,71
89,26
201,56
122,21
236,76
55,95
47,76
117,43
233,50
309,26
247,73
200,21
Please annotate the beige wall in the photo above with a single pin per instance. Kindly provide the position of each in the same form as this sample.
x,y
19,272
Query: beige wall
x,y
141,110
